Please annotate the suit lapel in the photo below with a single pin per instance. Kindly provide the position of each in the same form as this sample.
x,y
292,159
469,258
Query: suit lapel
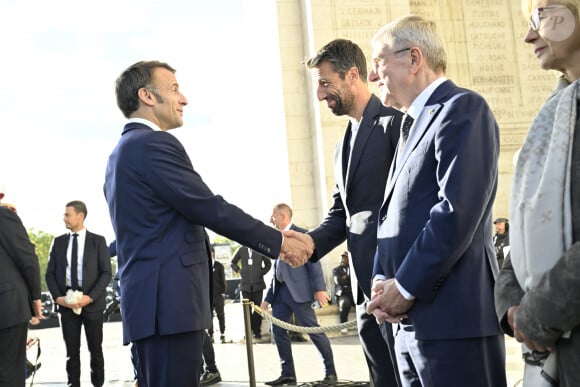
x,y
369,121
421,126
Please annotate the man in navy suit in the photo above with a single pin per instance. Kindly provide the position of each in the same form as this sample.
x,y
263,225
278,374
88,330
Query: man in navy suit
x,y
19,297
435,264
361,164
292,291
159,206
80,261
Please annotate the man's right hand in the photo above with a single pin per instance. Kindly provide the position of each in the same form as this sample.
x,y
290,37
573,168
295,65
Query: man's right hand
x,y
297,248
61,301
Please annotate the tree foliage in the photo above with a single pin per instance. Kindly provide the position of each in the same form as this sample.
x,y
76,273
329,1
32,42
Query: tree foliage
x,y
42,242
222,240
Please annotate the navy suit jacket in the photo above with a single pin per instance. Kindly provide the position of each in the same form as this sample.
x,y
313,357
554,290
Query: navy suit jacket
x,y
302,282
356,200
159,206
19,271
434,235
96,269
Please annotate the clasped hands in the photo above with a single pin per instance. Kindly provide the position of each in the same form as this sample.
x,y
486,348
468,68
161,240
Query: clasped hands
x,y
297,248
521,337
388,304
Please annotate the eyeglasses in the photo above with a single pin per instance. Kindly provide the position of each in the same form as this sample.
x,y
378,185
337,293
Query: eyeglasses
x,y
380,60
535,18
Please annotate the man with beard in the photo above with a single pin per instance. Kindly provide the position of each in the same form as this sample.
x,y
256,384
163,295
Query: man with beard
x,y
364,155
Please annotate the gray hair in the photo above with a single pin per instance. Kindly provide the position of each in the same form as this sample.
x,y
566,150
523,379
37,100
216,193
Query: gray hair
x,y
414,31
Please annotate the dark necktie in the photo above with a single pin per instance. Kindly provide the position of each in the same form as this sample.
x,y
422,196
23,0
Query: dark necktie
x,y
405,127
74,262
346,152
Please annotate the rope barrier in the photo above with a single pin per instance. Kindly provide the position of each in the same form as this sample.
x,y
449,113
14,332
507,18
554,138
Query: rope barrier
x,y
296,328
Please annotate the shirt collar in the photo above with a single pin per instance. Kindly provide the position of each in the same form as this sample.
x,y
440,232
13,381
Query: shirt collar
x,y
144,122
81,233
419,102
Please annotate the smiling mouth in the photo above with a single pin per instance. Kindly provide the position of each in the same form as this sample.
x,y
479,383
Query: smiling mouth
x,y
538,51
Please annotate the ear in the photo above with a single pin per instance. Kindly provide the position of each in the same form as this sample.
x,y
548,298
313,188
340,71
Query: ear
x,y
352,73
417,59
146,96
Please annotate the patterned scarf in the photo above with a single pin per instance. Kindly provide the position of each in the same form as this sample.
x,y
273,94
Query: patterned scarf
x,y
540,206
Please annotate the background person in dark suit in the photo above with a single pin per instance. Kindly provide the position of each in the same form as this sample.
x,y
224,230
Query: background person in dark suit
x,y
342,288
501,239
435,250
218,301
19,296
90,274
159,208
292,292
361,164
252,267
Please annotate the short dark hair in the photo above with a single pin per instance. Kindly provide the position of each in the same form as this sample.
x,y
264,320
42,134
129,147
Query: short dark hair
x,y
342,54
78,206
131,80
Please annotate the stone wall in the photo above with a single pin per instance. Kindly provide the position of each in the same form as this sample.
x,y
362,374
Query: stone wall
x,y
486,52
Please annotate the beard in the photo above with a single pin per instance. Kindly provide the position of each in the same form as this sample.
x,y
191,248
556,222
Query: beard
x,y
342,104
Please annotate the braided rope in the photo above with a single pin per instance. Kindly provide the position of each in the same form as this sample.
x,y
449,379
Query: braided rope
x,y
297,328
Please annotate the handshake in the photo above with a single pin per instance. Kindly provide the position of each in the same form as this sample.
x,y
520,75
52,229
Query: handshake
x,y
297,248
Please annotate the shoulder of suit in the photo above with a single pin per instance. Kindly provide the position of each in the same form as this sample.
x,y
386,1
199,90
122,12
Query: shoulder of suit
x,y
93,235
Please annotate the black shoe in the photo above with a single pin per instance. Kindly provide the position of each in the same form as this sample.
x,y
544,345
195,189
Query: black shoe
x,y
329,380
209,378
283,381
223,339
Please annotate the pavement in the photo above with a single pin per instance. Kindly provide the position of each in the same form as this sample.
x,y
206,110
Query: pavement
x,y
231,357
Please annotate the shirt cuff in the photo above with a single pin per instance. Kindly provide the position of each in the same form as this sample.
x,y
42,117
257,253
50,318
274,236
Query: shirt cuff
x,y
408,296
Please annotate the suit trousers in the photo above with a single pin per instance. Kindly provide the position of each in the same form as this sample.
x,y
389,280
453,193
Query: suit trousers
x,y
208,355
171,360
256,298
379,348
71,331
218,307
452,363
345,302
283,306
13,355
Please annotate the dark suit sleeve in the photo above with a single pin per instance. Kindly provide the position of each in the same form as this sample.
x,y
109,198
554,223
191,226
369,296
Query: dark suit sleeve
x,y
19,248
316,277
51,271
553,306
172,177
266,265
221,273
236,260
270,293
104,266
507,293
332,231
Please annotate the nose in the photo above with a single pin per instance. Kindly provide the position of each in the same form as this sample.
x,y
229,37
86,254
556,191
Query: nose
x,y
183,99
531,36
321,93
373,76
